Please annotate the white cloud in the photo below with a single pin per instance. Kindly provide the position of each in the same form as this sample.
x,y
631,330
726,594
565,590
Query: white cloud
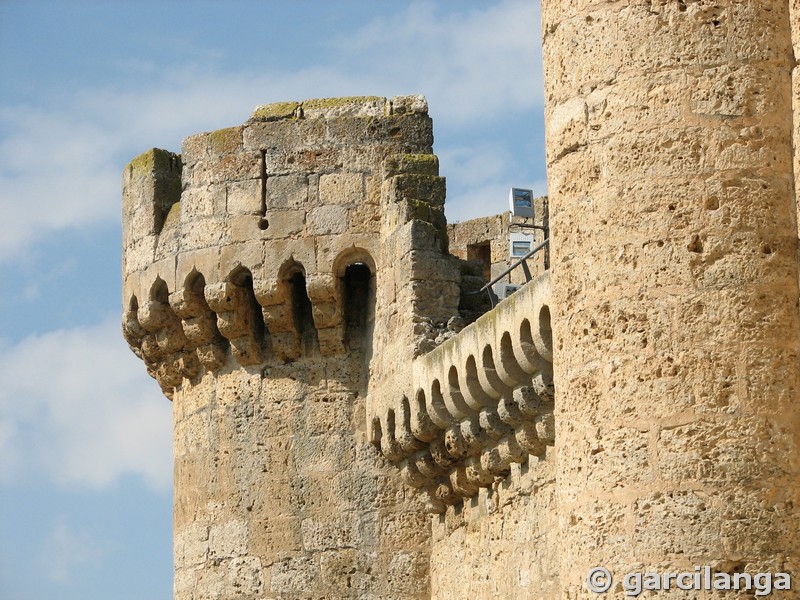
x,y
474,65
485,172
63,157
77,405
66,550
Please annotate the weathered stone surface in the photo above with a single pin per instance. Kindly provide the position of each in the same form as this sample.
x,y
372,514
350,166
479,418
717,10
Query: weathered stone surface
x,y
668,278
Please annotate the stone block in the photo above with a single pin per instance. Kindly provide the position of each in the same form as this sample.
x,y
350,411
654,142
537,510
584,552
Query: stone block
x,y
326,220
323,454
427,188
301,250
234,167
292,576
228,539
328,532
413,104
365,218
287,191
276,536
341,188
244,197
205,262
206,233
249,255
285,223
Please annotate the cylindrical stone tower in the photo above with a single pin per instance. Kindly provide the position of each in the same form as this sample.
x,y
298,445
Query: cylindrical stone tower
x,y
794,11
675,286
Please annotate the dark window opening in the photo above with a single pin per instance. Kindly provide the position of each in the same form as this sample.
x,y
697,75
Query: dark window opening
x,y
481,253
358,304
301,307
197,285
244,279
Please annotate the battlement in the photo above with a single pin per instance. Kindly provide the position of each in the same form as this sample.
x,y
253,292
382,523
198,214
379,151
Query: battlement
x,y
476,404
252,241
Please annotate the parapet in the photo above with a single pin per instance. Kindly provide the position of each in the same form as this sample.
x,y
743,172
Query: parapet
x,y
475,405
248,244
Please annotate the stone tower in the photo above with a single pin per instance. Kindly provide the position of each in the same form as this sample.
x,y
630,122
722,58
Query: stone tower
x,y
264,270
675,285
350,421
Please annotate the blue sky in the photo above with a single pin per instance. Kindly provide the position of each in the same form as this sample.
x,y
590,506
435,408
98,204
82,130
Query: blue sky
x,y
85,449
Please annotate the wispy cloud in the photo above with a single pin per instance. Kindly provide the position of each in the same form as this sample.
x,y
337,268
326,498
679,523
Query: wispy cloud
x,y
480,64
77,406
484,172
63,157
66,550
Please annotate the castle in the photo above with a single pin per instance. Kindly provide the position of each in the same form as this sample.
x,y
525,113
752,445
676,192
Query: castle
x,y
352,421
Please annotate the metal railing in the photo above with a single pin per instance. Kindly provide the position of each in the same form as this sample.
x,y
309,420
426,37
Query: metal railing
x,y
522,261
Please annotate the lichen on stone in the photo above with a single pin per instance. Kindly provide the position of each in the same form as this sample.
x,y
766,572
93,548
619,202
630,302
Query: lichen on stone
x,y
350,106
173,216
155,159
223,141
143,162
275,111
419,164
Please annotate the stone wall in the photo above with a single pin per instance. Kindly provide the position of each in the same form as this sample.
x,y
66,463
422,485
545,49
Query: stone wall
x,y
288,283
292,286
472,429
502,543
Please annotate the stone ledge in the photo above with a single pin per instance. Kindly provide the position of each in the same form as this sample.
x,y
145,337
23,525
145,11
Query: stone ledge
x,y
352,106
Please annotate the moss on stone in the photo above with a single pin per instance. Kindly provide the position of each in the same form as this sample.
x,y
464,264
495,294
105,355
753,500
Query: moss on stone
x,y
323,103
418,164
144,162
173,216
225,141
275,111
153,160
337,106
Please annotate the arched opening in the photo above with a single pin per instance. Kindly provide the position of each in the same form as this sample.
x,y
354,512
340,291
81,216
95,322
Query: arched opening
x,y
358,295
301,305
131,328
201,320
196,284
159,292
528,346
422,426
243,278
438,409
376,434
452,379
508,362
545,329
